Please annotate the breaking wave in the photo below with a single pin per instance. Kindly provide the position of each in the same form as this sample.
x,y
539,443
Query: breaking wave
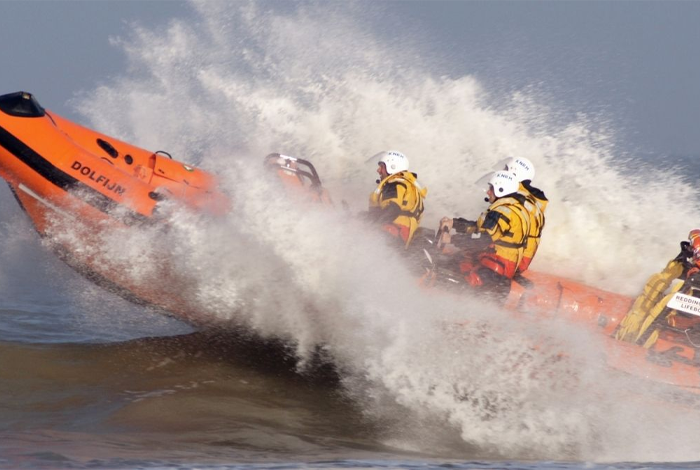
x,y
238,81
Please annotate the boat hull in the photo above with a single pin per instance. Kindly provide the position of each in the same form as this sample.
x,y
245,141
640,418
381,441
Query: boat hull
x,y
67,177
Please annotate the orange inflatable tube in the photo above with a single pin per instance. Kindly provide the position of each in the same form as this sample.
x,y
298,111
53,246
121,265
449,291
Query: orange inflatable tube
x,y
59,170
56,166
46,158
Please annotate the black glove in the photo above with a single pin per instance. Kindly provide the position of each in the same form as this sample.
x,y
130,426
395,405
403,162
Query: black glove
x,y
461,225
686,251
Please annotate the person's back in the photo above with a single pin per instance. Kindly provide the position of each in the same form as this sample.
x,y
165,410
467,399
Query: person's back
x,y
535,204
635,326
397,202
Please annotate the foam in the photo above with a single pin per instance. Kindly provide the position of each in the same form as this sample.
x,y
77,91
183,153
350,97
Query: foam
x,y
233,83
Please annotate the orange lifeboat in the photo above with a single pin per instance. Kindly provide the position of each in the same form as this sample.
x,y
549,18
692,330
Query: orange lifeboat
x,y
58,169
46,159
55,166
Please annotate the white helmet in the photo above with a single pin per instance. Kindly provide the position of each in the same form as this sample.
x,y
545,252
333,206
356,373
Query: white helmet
x,y
394,161
521,167
504,183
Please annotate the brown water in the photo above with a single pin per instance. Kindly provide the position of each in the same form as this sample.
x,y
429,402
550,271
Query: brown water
x,y
194,398
90,381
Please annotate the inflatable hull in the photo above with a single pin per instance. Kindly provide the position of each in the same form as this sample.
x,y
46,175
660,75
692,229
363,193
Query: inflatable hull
x,y
65,175
672,360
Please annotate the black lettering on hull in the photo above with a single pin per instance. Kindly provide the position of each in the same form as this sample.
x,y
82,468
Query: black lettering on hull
x,y
63,179
97,178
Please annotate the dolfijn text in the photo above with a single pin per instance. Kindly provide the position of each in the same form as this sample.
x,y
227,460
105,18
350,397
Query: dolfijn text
x,y
99,179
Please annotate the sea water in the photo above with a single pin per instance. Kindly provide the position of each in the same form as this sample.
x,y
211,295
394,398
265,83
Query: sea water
x,y
90,380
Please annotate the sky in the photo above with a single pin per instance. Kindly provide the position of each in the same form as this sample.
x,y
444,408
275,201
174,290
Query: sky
x,y
634,63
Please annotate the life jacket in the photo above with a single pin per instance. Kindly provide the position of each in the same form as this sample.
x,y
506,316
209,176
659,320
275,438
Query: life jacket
x,y
634,327
507,222
403,190
535,203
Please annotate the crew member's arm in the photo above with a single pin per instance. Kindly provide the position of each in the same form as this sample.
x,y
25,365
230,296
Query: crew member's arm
x,y
459,224
389,207
463,225
385,214
495,224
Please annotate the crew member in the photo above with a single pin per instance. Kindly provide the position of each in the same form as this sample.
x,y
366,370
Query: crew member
x,y
397,203
536,203
504,226
634,327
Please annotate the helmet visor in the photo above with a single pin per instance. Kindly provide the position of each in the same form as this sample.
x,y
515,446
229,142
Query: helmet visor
x,y
502,164
482,184
374,159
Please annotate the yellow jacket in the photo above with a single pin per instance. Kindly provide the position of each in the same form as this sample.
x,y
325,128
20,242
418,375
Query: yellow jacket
x,y
507,222
652,301
398,199
535,204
